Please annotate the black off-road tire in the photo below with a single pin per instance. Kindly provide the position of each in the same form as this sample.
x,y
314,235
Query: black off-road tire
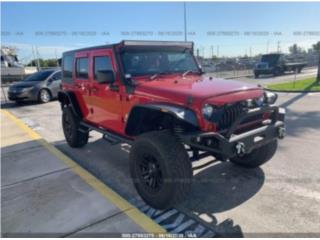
x,y
257,157
19,102
277,72
71,129
172,163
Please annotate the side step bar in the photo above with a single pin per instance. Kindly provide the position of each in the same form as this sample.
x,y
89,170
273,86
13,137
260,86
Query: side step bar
x,y
111,137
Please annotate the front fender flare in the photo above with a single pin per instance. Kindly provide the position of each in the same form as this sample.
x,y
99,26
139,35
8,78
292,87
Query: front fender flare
x,y
179,113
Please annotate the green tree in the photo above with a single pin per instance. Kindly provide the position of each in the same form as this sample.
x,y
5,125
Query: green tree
x,y
316,47
295,49
44,63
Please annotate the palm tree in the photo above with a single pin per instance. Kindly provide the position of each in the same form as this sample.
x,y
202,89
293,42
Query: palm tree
x,y
316,47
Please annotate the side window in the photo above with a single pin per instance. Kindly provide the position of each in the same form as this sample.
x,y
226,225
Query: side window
x,y
283,59
102,63
56,76
67,67
82,68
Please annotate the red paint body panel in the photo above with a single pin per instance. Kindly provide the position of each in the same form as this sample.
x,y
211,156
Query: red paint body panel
x,y
109,109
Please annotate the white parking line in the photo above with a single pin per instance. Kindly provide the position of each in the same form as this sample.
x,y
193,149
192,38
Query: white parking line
x,y
299,191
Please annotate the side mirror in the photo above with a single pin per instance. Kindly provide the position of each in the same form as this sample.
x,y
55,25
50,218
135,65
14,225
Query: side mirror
x,y
106,76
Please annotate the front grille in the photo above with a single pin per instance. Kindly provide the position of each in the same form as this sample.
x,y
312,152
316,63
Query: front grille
x,y
262,66
230,114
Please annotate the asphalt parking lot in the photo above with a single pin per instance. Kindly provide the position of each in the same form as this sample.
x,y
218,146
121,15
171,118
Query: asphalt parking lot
x,y
45,193
282,198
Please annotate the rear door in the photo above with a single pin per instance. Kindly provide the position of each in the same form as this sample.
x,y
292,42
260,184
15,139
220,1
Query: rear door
x,y
81,81
106,105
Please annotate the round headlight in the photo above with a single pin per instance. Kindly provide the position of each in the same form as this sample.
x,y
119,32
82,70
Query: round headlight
x,y
207,110
259,101
270,97
26,89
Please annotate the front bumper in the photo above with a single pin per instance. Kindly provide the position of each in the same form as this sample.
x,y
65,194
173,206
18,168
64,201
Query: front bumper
x,y
22,95
263,71
231,144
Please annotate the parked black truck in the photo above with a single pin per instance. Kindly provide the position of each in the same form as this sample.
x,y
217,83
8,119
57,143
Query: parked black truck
x,y
276,64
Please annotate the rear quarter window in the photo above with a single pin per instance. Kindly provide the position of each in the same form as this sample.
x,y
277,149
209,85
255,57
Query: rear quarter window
x,y
82,69
67,68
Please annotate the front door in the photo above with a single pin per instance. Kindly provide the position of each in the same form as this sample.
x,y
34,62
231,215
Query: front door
x,y
105,100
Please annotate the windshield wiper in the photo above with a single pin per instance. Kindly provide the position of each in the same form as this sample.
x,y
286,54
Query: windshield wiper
x,y
187,72
157,74
154,76
190,71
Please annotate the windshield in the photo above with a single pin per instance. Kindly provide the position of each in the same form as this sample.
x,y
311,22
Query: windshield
x,y
271,59
139,63
39,76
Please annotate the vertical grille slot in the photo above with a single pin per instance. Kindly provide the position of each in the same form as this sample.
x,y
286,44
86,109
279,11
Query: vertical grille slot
x,y
231,113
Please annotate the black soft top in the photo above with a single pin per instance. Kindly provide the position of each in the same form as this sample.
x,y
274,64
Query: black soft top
x,y
139,45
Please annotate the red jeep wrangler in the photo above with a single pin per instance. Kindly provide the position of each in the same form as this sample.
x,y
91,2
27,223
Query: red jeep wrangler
x,y
154,96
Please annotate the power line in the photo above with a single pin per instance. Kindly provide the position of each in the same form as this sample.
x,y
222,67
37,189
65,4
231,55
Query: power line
x,y
278,47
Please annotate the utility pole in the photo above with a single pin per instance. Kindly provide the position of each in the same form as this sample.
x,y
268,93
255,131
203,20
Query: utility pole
x,y
250,51
55,54
318,75
218,51
212,49
278,47
38,60
185,21
268,46
33,55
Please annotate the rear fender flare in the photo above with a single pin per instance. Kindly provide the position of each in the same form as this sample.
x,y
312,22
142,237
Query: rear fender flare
x,y
67,98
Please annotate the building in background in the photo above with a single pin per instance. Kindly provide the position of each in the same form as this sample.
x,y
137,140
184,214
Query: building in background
x,y
11,68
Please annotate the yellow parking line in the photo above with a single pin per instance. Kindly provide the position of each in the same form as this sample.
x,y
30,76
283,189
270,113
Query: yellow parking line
x,y
132,212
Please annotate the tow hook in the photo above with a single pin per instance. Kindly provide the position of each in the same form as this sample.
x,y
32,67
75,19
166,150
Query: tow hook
x,y
281,132
240,149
